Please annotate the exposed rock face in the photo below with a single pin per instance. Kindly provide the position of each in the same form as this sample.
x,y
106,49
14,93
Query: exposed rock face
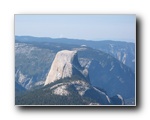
x,y
65,65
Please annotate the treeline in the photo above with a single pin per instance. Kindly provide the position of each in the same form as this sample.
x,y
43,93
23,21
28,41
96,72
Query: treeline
x,y
44,96
41,97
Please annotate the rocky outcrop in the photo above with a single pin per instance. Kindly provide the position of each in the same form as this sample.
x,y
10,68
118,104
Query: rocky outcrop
x,y
65,65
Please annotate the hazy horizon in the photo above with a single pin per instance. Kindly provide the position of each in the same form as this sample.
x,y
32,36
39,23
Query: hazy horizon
x,y
75,38
86,27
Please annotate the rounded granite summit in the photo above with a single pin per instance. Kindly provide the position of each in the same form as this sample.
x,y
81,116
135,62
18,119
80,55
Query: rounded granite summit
x,y
64,66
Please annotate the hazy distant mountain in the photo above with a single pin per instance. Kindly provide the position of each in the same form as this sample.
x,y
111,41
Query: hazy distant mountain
x,y
123,51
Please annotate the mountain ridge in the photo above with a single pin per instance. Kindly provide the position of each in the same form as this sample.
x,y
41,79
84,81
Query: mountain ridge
x,y
41,55
121,50
24,38
70,86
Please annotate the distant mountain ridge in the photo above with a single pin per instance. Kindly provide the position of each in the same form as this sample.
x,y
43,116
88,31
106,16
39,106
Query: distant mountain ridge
x,y
123,51
59,40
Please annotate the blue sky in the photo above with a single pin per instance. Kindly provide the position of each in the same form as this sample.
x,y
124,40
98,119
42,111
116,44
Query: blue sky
x,y
89,27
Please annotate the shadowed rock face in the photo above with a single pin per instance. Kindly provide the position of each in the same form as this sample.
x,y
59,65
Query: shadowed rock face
x,y
65,65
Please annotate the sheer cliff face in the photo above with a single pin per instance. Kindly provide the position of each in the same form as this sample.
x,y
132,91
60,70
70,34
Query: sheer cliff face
x,y
64,65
